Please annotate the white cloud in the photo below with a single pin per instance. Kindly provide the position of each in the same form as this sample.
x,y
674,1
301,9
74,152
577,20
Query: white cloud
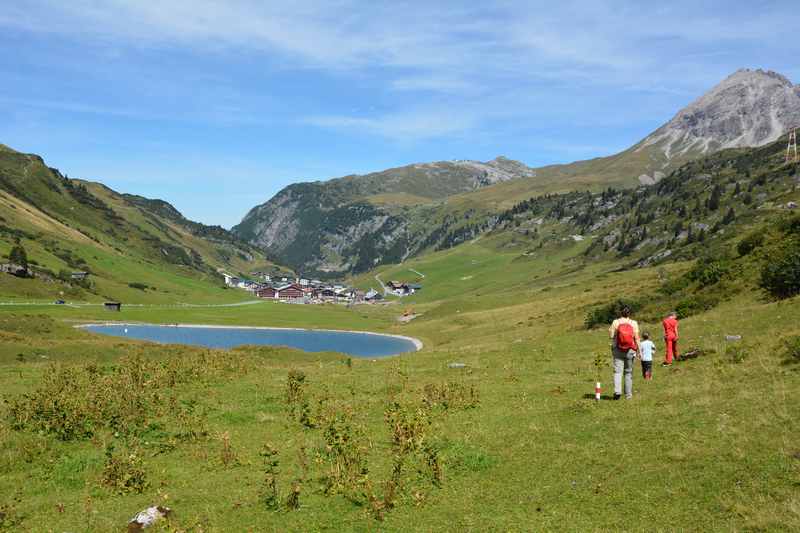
x,y
432,83
492,58
445,43
405,127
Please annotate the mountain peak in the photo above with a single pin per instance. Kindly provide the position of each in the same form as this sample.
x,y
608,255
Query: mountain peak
x,y
748,108
747,75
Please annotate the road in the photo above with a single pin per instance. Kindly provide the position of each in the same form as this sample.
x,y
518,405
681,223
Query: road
x,y
384,287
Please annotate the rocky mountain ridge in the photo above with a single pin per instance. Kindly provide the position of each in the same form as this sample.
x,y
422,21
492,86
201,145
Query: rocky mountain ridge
x,y
749,108
353,223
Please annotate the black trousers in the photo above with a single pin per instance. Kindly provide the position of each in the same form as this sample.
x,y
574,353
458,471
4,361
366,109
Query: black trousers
x,y
647,368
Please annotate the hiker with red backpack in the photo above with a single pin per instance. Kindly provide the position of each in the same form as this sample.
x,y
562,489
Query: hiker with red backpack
x,y
624,333
670,324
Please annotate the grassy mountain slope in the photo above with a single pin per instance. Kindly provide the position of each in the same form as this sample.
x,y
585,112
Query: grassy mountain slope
x,y
700,204
68,225
618,170
708,445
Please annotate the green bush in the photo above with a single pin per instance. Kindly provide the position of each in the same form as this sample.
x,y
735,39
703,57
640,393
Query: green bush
x,y
750,243
18,255
695,304
606,314
10,517
708,271
137,285
791,224
124,473
736,353
780,273
792,348
674,286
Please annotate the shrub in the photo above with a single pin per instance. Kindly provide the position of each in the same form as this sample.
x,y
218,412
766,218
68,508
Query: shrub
x,y
450,395
137,285
74,402
750,243
124,473
296,399
736,353
791,224
271,469
293,498
10,518
708,271
227,454
674,286
18,255
606,314
695,304
344,451
780,273
792,348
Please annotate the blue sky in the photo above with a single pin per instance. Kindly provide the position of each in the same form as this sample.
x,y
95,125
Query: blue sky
x,y
215,106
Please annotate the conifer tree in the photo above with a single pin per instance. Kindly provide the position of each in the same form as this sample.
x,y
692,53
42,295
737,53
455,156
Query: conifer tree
x,y
730,216
18,255
716,196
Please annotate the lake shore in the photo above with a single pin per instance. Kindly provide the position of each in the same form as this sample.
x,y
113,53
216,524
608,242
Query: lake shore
x,y
416,342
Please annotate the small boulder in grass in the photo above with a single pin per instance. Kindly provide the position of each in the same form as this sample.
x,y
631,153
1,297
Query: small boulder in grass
x,y
696,352
732,338
147,518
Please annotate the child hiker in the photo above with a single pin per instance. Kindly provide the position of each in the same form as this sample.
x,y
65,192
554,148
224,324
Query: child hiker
x,y
646,349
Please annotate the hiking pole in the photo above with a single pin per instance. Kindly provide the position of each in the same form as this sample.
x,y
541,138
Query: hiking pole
x,y
597,391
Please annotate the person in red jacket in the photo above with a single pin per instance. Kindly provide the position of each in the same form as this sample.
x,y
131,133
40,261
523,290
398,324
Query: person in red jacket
x,y
670,337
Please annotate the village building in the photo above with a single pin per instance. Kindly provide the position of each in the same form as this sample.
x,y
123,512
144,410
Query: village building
x,y
372,296
290,292
112,306
343,294
230,280
267,292
79,275
249,285
326,294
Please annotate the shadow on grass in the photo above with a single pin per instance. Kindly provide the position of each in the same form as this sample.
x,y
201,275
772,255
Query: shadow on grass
x,y
589,396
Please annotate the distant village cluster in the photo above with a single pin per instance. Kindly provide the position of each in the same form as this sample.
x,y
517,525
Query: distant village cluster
x,y
310,291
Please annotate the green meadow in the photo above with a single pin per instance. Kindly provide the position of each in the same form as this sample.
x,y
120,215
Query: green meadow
x,y
94,429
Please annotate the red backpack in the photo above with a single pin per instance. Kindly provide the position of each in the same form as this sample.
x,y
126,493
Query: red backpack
x,y
626,340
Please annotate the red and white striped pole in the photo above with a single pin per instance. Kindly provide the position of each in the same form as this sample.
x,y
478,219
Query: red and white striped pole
x,y
597,391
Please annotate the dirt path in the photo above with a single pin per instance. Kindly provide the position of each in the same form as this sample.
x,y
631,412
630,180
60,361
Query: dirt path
x,y
380,282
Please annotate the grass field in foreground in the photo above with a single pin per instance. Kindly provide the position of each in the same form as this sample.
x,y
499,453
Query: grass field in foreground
x,y
710,444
